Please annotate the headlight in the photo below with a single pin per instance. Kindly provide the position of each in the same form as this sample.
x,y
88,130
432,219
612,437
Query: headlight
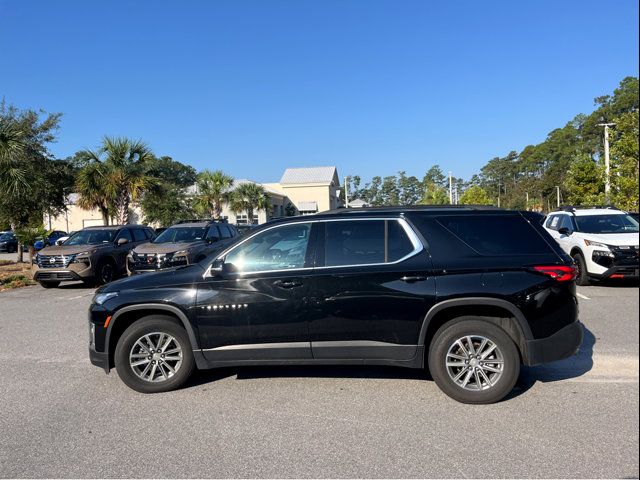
x,y
590,243
100,298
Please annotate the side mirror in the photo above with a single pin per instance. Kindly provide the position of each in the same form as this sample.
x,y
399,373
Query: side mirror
x,y
216,267
564,231
212,239
122,241
58,242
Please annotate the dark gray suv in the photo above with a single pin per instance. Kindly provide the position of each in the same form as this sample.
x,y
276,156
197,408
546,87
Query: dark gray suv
x,y
181,244
93,255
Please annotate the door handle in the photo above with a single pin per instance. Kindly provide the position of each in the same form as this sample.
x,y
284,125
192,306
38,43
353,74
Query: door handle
x,y
411,279
287,283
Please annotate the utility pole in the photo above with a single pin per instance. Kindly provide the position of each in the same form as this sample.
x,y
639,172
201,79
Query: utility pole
x,y
450,189
607,165
499,195
527,204
558,195
346,191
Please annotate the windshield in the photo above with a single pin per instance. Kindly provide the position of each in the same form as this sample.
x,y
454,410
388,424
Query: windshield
x,y
6,236
91,237
616,223
181,234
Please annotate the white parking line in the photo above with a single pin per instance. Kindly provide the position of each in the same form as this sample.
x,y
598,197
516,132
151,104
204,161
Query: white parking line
x,y
583,296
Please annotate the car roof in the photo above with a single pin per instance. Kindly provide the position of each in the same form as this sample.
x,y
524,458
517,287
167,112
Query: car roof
x,y
113,227
190,224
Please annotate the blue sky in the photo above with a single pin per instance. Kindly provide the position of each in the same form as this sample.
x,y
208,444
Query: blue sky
x,y
370,86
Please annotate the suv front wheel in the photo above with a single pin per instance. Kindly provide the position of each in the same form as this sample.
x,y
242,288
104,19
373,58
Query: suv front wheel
x,y
474,361
154,355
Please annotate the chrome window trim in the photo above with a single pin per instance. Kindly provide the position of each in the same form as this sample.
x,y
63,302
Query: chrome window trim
x,y
413,238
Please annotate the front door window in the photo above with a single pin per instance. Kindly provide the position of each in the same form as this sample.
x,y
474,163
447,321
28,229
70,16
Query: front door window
x,y
280,248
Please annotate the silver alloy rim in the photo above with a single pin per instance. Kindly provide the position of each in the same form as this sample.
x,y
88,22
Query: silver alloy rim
x,y
155,357
474,363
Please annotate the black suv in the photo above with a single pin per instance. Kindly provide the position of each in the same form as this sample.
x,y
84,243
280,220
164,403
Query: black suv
x,y
470,293
182,244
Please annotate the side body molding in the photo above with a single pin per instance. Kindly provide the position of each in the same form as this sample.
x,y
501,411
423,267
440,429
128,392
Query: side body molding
x,y
193,338
470,301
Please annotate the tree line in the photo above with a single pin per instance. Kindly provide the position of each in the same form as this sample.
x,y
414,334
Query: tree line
x,y
110,179
570,160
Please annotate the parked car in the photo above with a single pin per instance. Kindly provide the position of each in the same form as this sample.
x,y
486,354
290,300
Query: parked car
x,y
8,242
49,240
468,292
181,244
93,255
63,239
602,241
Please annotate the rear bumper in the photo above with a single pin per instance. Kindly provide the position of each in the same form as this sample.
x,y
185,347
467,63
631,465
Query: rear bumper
x,y
562,344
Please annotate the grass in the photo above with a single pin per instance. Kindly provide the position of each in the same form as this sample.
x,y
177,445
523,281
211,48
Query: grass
x,y
15,275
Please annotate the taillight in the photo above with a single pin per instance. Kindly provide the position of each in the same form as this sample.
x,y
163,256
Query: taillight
x,y
561,273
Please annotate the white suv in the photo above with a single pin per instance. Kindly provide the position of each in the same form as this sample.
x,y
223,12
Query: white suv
x,y
602,241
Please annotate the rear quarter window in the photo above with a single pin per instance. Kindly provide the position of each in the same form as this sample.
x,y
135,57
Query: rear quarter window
x,y
496,235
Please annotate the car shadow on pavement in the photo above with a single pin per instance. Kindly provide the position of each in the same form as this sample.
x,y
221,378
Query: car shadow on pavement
x,y
307,371
571,367
617,283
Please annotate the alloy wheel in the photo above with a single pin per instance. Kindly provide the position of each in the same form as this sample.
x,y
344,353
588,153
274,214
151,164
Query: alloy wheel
x,y
156,357
474,363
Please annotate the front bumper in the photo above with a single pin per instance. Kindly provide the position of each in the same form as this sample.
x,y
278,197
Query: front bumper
x,y
57,275
562,344
99,359
620,271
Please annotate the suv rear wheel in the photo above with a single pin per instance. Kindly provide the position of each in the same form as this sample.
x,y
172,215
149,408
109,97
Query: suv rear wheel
x,y
473,361
154,355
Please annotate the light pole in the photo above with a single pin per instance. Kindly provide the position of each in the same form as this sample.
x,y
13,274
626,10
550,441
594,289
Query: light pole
x,y
607,164
450,189
346,191
558,195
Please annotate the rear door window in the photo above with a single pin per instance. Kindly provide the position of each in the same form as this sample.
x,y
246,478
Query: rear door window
x,y
138,235
496,234
365,242
224,231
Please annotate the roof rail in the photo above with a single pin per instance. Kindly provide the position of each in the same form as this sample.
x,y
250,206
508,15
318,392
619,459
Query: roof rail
x,y
201,220
573,208
409,207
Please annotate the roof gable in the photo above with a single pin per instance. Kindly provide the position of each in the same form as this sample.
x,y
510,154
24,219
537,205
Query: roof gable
x,y
308,175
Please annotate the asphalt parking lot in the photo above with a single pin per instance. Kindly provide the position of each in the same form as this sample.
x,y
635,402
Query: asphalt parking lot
x,y
62,417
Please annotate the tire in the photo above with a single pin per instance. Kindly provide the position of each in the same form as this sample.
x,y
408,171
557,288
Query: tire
x,y
48,284
128,351
582,277
105,272
494,386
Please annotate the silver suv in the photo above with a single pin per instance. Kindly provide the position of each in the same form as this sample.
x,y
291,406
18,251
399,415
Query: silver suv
x,y
181,244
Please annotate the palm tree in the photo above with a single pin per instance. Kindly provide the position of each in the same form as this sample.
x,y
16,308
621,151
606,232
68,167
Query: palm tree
x,y
121,167
213,191
248,197
12,175
92,191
